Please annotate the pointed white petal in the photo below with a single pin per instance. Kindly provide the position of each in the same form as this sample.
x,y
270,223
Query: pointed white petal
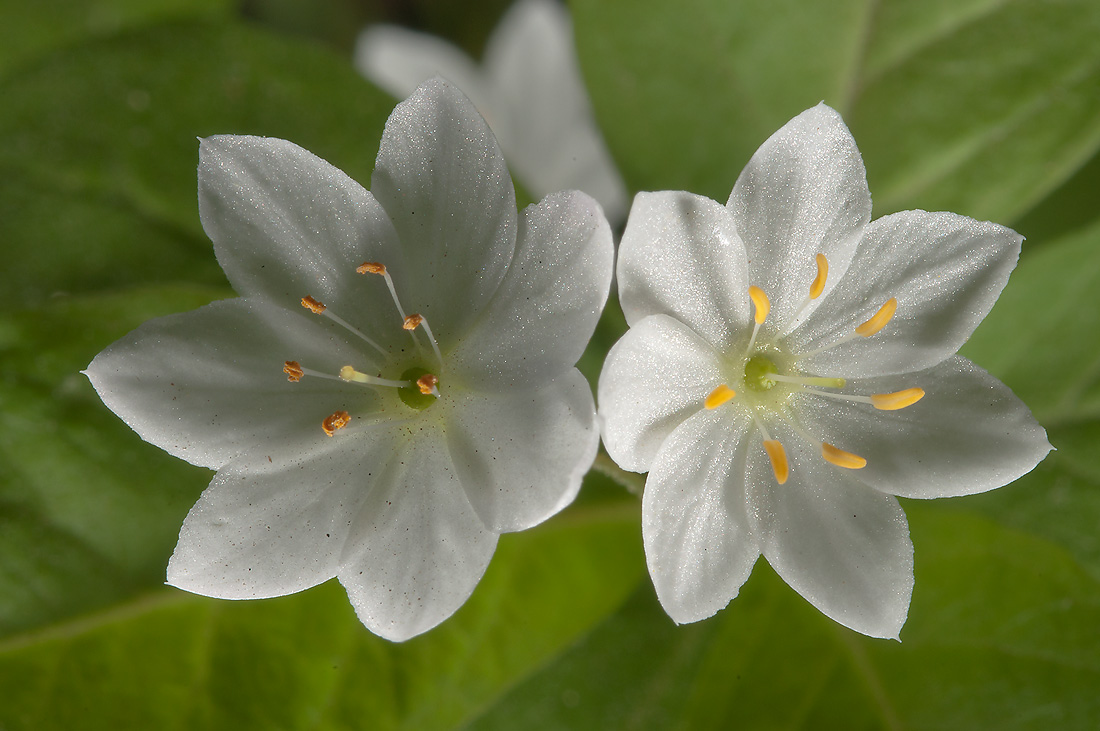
x,y
838,543
399,60
698,544
270,525
681,256
286,224
521,456
416,550
542,316
441,178
945,271
208,385
541,112
967,435
654,378
803,193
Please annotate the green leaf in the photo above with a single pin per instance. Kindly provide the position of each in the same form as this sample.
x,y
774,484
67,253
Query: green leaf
x,y
98,148
978,107
1001,634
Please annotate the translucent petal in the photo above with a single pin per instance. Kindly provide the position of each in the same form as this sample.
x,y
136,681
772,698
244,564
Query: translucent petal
x,y
838,543
521,456
945,271
804,192
416,550
441,178
698,544
286,224
681,256
654,378
272,524
542,316
967,435
208,385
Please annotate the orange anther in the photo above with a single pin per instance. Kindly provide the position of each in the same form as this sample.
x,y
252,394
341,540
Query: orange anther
x,y
412,321
840,458
818,285
763,305
427,384
897,400
371,267
293,371
778,456
879,319
338,420
312,305
719,396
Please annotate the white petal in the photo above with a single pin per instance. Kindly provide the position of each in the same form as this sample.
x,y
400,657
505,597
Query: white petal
x,y
541,112
269,528
654,378
838,543
697,540
416,550
803,193
286,224
521,456
542,316
967,435
208,385
399,60
945,270
442,180
681,256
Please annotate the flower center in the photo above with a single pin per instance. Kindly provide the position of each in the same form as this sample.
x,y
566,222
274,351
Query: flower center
x,y
768,367
418,388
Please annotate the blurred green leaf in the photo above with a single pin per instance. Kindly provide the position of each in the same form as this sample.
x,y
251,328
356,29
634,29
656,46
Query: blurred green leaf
x,y
98,148
979,107
1001,635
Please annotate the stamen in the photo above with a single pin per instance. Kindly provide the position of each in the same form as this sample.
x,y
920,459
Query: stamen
x,y
347,373
778,457
763,307
318,308
312,305
338,420
840,458
293,371
719,396
809,380
373,267
879,319
897,400
428,385
417,319
818,285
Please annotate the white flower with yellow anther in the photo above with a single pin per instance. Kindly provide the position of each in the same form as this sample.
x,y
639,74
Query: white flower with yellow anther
x,y
791,367
351,438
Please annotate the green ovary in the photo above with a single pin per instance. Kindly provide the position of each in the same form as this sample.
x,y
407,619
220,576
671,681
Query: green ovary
x,y
411,395
757,372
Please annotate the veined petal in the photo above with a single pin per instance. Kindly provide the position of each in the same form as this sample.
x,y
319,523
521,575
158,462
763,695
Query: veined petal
x,y
270,525
543,314
417,549
520,456
286,224
681,256
441,178
840,544
803,193
698,543
967,435
399,60
945,271
655,377
208,385
541,112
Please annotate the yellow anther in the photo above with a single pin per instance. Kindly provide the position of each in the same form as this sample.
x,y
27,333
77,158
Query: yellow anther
x,y
338,420
371,267
427,384
293,371
412,321
763,306
312,305
778,457
879,319
719,396
897,400
840,458
818,285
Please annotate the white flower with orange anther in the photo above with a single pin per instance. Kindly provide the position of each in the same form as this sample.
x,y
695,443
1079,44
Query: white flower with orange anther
x,y
351,438
791,367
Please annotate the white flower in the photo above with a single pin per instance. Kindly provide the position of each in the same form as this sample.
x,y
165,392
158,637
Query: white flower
x,y
791,367
331,458
529,88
